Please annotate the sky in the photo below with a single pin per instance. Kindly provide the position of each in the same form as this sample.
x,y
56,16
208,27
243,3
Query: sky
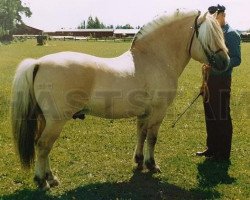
x,y
50,15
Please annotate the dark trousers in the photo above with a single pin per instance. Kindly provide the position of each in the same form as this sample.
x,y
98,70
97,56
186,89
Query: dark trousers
x,y
218,118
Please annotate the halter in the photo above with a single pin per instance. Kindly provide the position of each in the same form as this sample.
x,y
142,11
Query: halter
x,y
196,32
210,56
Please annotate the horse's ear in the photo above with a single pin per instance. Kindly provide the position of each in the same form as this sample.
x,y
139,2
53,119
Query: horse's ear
x,y
215,14
202,18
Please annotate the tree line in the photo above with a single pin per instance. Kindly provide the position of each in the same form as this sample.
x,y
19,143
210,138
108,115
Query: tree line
x,y
95,23
11,12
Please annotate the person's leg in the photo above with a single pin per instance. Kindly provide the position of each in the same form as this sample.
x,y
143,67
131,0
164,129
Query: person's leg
x,y
211,127
211,109
225,122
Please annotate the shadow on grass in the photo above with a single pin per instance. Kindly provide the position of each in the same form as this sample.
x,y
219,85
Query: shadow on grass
x,y
211,173
140,186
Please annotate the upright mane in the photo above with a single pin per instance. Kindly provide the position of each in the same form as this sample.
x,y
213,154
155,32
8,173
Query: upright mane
x,y
162,20
210,32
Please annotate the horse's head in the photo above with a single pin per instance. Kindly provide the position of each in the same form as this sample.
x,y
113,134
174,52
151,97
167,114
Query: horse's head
x,y
208,44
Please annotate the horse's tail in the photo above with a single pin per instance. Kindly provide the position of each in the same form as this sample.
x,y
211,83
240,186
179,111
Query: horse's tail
x,y
25,111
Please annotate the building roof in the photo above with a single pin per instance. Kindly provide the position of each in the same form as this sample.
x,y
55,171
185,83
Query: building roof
x,y
83,30
245,33
126,31
115,31
23,29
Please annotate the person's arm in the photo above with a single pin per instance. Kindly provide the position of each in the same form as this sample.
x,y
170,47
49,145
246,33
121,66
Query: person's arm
x,y
233,46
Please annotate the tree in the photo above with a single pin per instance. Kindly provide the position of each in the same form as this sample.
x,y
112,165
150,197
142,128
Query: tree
x,y
90,22
10,15
127,26
93,23
110,27
99,24
82,25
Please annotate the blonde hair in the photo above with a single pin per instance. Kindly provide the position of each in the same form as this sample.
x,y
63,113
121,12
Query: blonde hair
x,y
211,35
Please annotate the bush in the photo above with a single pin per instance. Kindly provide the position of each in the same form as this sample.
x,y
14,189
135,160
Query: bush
x,y
41,39
6,39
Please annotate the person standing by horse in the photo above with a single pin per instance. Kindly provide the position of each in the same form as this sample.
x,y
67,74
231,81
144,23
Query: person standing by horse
x,y
217,110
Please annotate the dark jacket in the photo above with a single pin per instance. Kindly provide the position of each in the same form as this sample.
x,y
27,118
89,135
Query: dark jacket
x,y
232,40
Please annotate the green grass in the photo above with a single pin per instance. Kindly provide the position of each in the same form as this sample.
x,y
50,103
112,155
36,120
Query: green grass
x,y
93,158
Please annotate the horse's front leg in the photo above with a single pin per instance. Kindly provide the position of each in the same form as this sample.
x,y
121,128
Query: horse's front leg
x,y
150,163
154,121
141,137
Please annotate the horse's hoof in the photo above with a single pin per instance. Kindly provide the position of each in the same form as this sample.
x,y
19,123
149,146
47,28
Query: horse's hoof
x,y
155,169
42,184
54,182
139,163
46,187
152,167
138,168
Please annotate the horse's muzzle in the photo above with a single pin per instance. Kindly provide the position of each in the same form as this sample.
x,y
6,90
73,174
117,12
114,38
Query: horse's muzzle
x,y
219,62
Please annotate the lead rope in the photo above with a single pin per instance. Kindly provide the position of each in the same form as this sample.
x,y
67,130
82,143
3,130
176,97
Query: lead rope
x,y
204,91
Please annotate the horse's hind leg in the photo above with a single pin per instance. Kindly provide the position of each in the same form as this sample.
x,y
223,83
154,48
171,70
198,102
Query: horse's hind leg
x,y
49,176
141,136
43,174
52,180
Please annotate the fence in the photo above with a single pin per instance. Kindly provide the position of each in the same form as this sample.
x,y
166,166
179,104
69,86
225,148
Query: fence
x,y
76,38
245,37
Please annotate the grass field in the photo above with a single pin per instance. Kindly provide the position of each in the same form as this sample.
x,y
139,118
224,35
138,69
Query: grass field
x,y
93,158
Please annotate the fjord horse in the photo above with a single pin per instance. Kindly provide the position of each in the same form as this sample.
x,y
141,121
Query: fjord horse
x,y
142,82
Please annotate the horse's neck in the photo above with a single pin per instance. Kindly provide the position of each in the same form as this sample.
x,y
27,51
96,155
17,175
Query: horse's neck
x,y
166,47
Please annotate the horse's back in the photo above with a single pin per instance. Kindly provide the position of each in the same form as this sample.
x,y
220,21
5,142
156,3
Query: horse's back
x,y
69,81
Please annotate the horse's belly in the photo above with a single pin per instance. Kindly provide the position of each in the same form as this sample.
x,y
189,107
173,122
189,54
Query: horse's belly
x,y
115,104
115,108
